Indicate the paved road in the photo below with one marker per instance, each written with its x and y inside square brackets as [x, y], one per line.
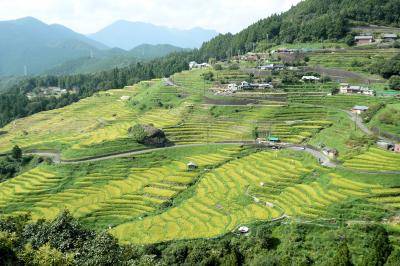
[56, 157]
[359, 122]
[321, 157]
[357, 119]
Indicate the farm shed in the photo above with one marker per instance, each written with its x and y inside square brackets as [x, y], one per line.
[362, 40]
[385, 145]
[125, 98]
[274, 139]
[359, 109]
[397, 148]
[389, 37]
[194, 64]
[243, 229]
[192, 166]
[331, 153]
[310, 78]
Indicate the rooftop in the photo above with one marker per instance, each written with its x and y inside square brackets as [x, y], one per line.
[360, 107]
[363, 37]
[389, 36]
[273, 139]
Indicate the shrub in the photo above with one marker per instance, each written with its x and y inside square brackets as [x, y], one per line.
[16, 152]
[394, 82]
[137, 133]
[372, 111]
[208, 76]
[234, 67]
[390, 117]
[217, 67]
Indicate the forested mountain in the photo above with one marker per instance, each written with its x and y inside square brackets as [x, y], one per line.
[310, 20]
[127, 35]
[103, 60]
[38, 46]
[148, 51]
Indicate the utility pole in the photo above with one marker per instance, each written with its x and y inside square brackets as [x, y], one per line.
[204, 87]
[355, 121]
[208, 133]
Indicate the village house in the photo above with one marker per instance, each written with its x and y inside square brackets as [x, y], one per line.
[385, 145]
[233, 87]
[194, 64]
[310, 78]
[244, 85]
[283, 51]
[272, 67]
[359, 109]
[125, 98]
[389, 37]
[243, 229]
[363, 40]
[252, 57]
[192, 166]
[397, 148]
[346, 88]
[331, 153]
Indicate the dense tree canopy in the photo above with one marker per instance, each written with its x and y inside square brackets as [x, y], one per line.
[64, 241]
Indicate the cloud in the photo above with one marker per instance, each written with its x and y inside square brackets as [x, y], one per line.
[87, 16]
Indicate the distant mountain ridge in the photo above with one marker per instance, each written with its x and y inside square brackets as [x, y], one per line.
[126, 35]
[112, 58]
[39, 46]
[30, 46]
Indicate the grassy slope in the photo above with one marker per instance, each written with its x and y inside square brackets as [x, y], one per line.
[375, 122]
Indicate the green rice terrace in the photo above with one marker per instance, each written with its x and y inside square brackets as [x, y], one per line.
[145, 194]
[355, 60]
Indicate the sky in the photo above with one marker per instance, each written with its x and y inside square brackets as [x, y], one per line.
[89, 16]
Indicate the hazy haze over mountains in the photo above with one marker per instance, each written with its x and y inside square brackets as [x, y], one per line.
[127, 35]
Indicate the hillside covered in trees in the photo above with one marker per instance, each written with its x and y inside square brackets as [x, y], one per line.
[311, 20]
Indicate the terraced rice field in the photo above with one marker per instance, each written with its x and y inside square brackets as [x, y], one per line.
[80, 124]
[231, 76]
[95, 125]
[337, 101]
[311, 87]
[219, 204]
[375, 160]
[192, 81]
[109, 193]
[261, 186]
[357, 60]
[291, 124]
